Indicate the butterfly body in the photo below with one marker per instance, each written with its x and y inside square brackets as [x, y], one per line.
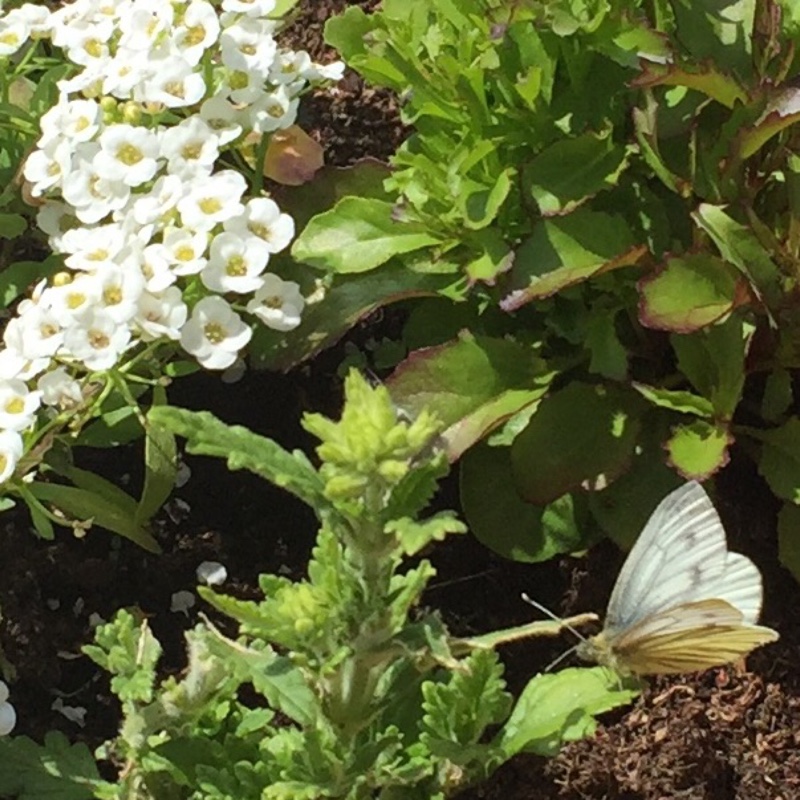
[682, 602]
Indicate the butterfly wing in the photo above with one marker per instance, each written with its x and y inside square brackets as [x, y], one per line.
[680, 557]
[688, 638]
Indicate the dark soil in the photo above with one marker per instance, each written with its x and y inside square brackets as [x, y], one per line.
[729, 733]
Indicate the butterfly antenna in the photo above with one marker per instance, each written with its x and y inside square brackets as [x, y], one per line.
[560, 658]
[528, 599]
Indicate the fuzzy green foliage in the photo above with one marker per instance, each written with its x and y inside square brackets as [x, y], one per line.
[337, 685]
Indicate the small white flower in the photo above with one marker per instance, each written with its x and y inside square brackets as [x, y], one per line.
[10, 453]
[76, 120]
[247, 46]
[144, 22]
[263, 218]
[36, 333]
[253, 8]
[274, 111]
[190, 148]
[155, 206]
[289, 65]
[162, 316]
[326, 72]
[13, 34]
[46, 167]
[155, 268]
[222, 117]
[92, 196]
[18, 405]
[212, 573]
[215, 333]
[128, 153]
[235, 264]
[175, 84]
[96, 340]
[120, 290]
[278, 303]
[185, 250]
[199, 29]
[93, 248]
[56, 219]
[59, 389]
[181, 602]
[212, 200]
[70, 300]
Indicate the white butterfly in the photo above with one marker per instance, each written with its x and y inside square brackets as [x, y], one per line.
[682, 601]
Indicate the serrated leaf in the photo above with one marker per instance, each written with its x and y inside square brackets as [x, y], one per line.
[499, 518]
[243, 449]
[357, 235]
[414, 535]
[579, 435]
[700, 449]
[273, 676]
[459, 709]
[689, 293]
[561, 707]
[55, 770]
[779, 463]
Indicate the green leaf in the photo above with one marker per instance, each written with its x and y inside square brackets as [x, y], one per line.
[160, 458]
[459, 709]
[98, 508]
[282, 8]
[623, 508]
[12, 225]
[789, 538]
[17, 277]
[705, 78]
[357, 235]
[243, 449]
[350, 299]
[561, 707]
[699, 449]
[778, 395]
[563, 251]
[609, 356]
[127, 649]
[740, 246]
[580, 435]
[472, 384]
[570, 171]
[676, 400]
[56, 770]
[481, 207]
[714, 361]
[779, 463]
[688, 293]
[274, 677]
[499, 518]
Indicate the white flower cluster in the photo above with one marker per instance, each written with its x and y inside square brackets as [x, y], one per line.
[158, 245]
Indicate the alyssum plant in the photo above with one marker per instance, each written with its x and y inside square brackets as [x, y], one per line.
[352, 690]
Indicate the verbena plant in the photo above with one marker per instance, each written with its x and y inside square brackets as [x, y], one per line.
[601, 196]
[338, 685]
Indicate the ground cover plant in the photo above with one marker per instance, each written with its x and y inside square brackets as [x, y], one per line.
[282, 722]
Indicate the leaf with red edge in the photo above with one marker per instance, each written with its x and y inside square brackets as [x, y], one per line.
[699, 450]
[690, 292]
[783, 110]
[472, 384]
[563, 251]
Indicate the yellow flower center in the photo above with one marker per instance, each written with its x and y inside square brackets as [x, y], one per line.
[214, 332]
